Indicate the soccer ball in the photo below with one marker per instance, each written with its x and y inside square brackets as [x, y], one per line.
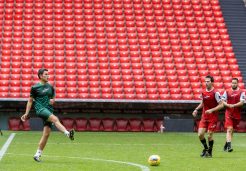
[154, 160]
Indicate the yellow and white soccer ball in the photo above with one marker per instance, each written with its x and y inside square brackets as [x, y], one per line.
[154, 160]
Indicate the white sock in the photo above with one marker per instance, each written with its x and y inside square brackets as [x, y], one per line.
[66, 133]
[38, 153]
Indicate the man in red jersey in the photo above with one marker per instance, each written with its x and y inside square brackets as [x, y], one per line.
[233, 100]
[211, 103]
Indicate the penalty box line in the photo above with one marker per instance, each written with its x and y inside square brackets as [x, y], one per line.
[6, 145]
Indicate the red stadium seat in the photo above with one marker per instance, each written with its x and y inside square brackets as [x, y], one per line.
[121, 124]
[158, 124]
[94, 124]
[80, 124]
[135, 124]
[68, 123]
[14, 123]
[241, 126]
[108, 124]
[26, 125]
[148, 125]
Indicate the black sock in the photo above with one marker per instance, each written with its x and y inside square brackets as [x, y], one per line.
[204, 143]
[211, 143]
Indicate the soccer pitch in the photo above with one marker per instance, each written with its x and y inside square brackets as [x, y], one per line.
[104, 151]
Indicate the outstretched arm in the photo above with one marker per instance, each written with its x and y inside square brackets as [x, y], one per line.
[28, 108]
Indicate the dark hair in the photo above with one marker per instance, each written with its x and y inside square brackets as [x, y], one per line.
[41, 71]
[235, 79]
[210, 77]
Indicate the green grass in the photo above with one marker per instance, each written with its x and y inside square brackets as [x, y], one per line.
[91, 150]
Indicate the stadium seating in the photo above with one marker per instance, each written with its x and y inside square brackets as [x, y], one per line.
[108, 124]
[121, 124]
[68, 123]
[158, 124]
[14, 124]
[125, 50]
[94, 124]
[26, 125]
[81, 124]
[241, 126]
[135, 124]
[148, 125]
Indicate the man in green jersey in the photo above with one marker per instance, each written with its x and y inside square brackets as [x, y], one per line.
[43, 96]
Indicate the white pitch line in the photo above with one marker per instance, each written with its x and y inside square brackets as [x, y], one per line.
[6, 145]
[142, 167]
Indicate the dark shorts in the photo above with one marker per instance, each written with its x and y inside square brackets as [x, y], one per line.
[45, 114]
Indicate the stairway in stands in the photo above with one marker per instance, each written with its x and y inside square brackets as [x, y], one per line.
[234, 13]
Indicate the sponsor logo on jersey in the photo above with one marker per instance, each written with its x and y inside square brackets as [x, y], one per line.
[45, 90]
[206, 97]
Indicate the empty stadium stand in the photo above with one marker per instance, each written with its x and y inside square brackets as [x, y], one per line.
[144, 50]
[118, 124]
[235, 15]
[147, 57]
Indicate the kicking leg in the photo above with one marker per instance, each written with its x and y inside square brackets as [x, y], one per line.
[60, 127]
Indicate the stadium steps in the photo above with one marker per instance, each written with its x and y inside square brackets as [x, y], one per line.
[234, 13]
